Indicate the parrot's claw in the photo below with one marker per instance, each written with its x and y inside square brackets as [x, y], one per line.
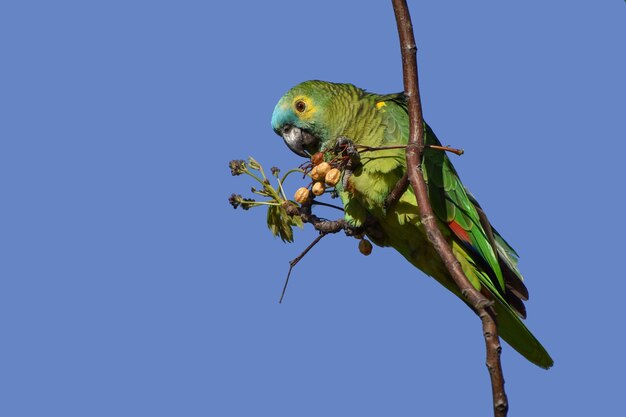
[370, 228]
[350, 157]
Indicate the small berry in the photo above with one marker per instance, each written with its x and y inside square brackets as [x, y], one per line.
[318, 188]
[315, 174]
[365, 247]
[317, 158]
[323, 168]
[302, 195]
[332, 177]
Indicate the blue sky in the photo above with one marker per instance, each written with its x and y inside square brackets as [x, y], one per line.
[130, 286]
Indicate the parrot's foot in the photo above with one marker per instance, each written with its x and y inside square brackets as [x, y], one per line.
[346, 147]
[370, 227]
[350, 157]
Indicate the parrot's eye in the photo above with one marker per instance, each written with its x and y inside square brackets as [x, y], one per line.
[300, 106]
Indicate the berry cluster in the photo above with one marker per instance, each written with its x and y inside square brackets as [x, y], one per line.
[323, 174]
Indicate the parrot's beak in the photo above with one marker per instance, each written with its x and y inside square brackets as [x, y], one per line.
[299, 141]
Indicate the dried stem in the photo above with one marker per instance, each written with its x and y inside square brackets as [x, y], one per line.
[321, 225]
[414, 152]
[295, 261]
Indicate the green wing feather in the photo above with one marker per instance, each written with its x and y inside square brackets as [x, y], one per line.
[494, 260]
[445, 190]
[453, 206]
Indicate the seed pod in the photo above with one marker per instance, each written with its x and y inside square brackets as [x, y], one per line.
[302, 195]
[315, 174]
[365, 247]
[317, 158]
[332, 177]
[318, 188]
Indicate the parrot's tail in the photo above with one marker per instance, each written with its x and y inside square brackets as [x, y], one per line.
[515, 333]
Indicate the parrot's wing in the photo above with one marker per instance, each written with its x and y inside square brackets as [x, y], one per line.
[494, 259]
[508, 258]
[447, 195]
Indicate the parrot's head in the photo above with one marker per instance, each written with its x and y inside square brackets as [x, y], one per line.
[303, 116]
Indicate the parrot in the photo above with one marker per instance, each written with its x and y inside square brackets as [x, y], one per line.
[314, 116]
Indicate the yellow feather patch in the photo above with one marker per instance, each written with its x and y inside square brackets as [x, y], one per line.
[380, 104]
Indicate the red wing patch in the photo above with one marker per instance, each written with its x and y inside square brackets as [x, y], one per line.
[459, 232]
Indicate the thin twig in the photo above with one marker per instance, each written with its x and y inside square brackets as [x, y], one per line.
[295, 261]
[321, 225]
[366, 148]
[321, 203]
[397, 192]
[414, 152]
[447, 149]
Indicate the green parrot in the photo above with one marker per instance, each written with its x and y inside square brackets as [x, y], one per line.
[315, 115]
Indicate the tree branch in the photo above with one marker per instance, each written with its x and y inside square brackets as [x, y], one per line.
[414, 152]
[321, 225]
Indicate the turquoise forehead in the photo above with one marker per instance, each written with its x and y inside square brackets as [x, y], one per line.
[283, 114]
